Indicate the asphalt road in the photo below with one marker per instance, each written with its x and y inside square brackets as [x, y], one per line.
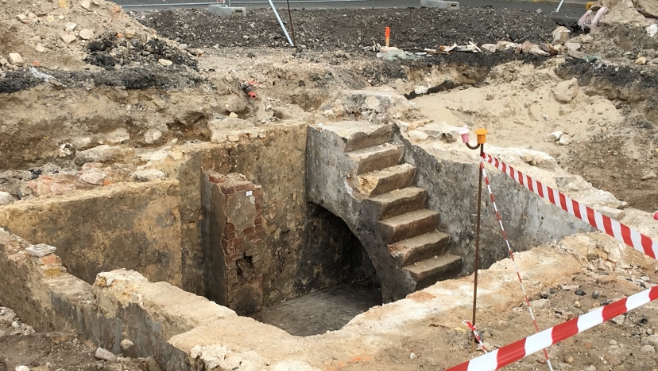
[567, 10]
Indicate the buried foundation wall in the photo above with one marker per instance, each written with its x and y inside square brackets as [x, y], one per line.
[128, 225]
[304, 249]
[452, 185]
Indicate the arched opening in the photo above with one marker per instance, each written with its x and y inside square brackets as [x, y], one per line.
[342, 284]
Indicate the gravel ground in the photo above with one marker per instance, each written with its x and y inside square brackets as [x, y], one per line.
[351, 29]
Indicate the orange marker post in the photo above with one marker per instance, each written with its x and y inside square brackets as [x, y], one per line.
[388, 35]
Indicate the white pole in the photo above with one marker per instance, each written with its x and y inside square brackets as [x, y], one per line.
[281, 23]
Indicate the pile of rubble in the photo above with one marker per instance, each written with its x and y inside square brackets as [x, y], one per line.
[69, 34]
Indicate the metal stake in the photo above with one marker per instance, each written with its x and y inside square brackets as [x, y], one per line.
[481, 139]
[292, 27]
[281, 23]
[477, 246]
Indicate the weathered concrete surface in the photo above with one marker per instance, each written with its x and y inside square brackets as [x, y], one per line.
[128, 225]
[330, 178]
[450, 173]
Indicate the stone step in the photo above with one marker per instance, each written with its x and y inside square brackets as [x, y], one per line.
[408, 225]
[419, 248]
[360, 134]
[377, 158]
[386, 180]
[432, 270]
[399, 201]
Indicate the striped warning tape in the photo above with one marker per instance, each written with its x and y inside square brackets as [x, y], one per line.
[475, 332]
[511, 255]
[508, 354]
[621, 232]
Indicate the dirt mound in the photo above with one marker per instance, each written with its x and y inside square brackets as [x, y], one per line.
[351, 29]
[41, 33]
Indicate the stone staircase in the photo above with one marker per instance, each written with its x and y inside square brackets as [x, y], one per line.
[389, 205]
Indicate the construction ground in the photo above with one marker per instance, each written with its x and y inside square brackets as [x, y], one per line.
[183, 191]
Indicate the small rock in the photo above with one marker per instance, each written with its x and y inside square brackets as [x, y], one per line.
[40, 48]
[22, 368]
[553, 137]
[576, 304]
[68, 38]
[105, 355]
[648, 349]
[16, 59]
[613, 359]
[572, 46]
[539, 11]
[2, 333]
[85, 4]
[128, 348]
[233, 115]
[586, 39]
[649, 175]
[641, 61]
[566, 91]
[590, 368]
[93, 176]
[129, 33]
[16, 324]
[165, 62]
[22, 18]
[148, 175]
[569, 359]
[70, 26]
[117, 136]
[545, 294]
[652, 340]
[565, 139]
[613, 213]
[561, 35]
[413, 356]
[595, 295]
[612, 342]
[541, 303]
[86, 34]
[569, 287]
[6, 198]
[580, 292]
[619, 319]
[152, 135]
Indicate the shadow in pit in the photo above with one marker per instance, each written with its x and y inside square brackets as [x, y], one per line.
[343, 284]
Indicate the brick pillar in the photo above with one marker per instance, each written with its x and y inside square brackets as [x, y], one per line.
[240, 244]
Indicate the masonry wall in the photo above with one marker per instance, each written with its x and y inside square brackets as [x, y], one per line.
[130, 225]
[302, 250]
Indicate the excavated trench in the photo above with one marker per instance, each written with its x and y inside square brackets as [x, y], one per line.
[232, 220]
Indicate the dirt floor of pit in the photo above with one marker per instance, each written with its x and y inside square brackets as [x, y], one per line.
[20, 345]
[325, 310]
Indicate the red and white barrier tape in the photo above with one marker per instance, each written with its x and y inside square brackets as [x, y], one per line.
[506, 355]
[621, 232]
[511, 255]
[476, 334]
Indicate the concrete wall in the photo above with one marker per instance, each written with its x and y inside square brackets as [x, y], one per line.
[452, 191]
[130, 225]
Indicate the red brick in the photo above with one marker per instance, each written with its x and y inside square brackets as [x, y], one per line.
[244, 187]
[50, 259]
[227, 190]
[258, 221]
[216, 178]
[229, 235]
[229, 228]
[248, 231]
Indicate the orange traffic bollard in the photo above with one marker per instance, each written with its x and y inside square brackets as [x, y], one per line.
[388, 35]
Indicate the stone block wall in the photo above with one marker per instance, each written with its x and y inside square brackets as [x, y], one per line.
[233, 242]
